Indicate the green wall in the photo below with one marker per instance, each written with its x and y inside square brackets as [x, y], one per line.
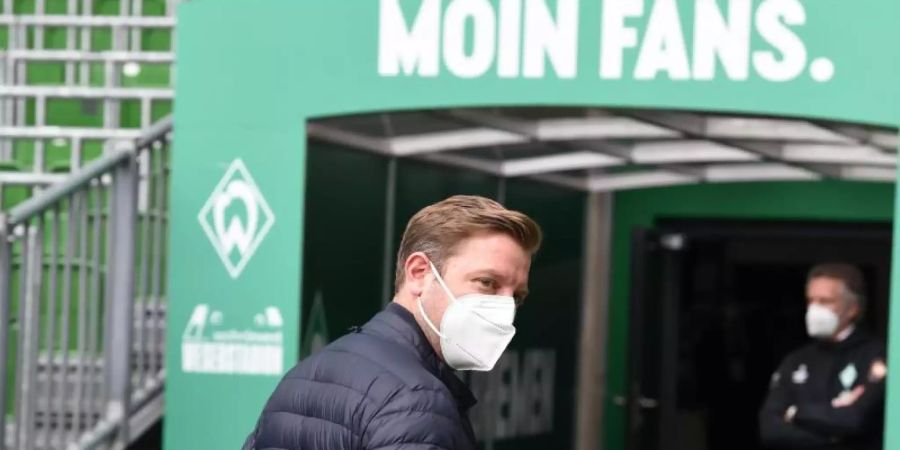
[344, 236]
[830, 200]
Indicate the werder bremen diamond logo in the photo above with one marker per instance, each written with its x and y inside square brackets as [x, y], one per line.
[236, 218]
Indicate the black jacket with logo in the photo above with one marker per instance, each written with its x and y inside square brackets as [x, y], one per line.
[810, 378]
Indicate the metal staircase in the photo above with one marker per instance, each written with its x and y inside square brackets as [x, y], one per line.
[82, 302]
[81, 82]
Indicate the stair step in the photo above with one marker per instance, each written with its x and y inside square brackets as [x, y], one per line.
[50, 439]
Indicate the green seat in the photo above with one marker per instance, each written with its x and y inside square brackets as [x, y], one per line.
[57, 151]
[59, 166]
[23, 152]
[12, 195]
[10, 166]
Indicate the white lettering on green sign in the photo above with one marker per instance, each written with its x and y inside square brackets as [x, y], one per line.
[521, 38]
[526, 43]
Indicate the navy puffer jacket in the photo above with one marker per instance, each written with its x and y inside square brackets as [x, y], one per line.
[380, 387]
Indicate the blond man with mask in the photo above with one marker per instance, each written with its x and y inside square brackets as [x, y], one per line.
[462, 270]
[829, 394]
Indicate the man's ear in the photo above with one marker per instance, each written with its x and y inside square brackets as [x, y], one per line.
[416, 270]
[853, 311]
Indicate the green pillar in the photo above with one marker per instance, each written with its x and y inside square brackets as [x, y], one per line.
[233, 318]
[236, 228]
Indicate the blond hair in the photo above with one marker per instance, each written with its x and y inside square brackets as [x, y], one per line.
[437, 229]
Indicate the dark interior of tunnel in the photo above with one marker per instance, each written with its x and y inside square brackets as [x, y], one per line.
[740, 294]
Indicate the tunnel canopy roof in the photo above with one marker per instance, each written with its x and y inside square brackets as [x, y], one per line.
[605, 150]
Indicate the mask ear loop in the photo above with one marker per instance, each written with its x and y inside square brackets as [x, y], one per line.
[440, 280]
[422, 308]
[427, 320]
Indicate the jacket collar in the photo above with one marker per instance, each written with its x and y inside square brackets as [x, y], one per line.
[856, 337]
[397, 324]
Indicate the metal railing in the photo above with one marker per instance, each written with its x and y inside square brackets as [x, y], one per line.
[82, 303]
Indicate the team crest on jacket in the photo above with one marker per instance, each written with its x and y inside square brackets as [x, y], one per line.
[800, 375]
[848, 376]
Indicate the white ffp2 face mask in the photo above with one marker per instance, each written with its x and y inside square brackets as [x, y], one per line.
[476, 328]
[821, 322]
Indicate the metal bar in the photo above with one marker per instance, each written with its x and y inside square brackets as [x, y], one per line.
[98, 56]
[5, 322]
[29, 179]
[99, 434]
[119, 36]
[9, 74]
[40, 111]
[137, 10]
[77, 407]
[71, 11]
[94, 306]
[146, 407]
[86, 12]
[173, 36]
[51, 132]
[72, 230]
[356, 140]
[146, 113]
[20, 79]
[19, 91]
[75, 157]
[101, 165]
[40, 116]
[109, 79]
[143, 289]
[84, 68]
[40, 156]
[390, 210]
[7, 6]
[6, 78]
[592, 374]
[158, 131]
[20, 353]
[688, 133]
[124, 11]
[120, 300]
[30, 328]
[88, 21]
[40, 10]
[156, 292]
[5, 144]
[51, 317]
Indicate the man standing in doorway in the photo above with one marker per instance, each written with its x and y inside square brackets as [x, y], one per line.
[829, 394]
[462, 270]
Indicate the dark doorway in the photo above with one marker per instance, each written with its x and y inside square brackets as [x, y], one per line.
[716, 306]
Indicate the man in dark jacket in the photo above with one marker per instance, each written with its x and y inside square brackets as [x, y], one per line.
[462, 270]
[829, 394]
